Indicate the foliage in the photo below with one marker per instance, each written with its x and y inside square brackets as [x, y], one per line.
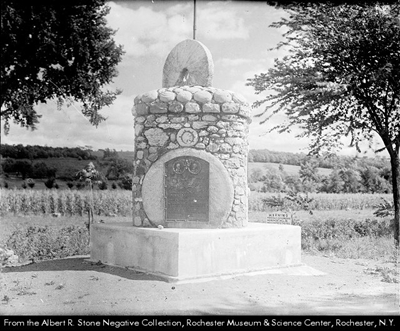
[43, 243]
[89, 175]
[50, 182]
[328, 84]
[65, 202]
[341, 78]
[384, 209]
[372, 181]
[30, 182]
[309, 176]
[347, 238]
[43, 152]
[126, 182]
[352, 178]
[56, 50]
[117, 168]
[320, 201]
[102, 185]
[327, 161]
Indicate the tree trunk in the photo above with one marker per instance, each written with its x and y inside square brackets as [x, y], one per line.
[395, 163]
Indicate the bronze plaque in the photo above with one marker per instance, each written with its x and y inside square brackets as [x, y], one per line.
[186, 189]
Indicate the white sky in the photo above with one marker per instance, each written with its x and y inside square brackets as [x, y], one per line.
[238, 37]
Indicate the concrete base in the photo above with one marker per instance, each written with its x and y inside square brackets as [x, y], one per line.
[190, 254]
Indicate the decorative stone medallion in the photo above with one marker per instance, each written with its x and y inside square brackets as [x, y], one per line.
[187, 137]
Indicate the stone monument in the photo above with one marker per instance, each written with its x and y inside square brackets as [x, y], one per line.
[190, 195]
[191, 148]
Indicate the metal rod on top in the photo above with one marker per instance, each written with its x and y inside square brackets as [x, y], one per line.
[194, 20]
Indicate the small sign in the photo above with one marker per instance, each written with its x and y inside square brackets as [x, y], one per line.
[279, 218]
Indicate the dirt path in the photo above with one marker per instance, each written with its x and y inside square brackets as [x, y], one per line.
[75, 287]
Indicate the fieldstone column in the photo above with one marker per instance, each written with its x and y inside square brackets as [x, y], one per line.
[188, 117]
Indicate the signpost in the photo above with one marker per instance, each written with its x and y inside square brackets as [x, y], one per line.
[279, 218]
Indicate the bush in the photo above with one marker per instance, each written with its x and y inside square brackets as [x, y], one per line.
[44, 243]
[70, 185]
[333, 234]
[102, 185]
[126, 182]
[49, 183]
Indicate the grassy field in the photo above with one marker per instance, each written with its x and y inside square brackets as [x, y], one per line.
[289, 169]
[322, 201]
[340, 224]
[340, 243]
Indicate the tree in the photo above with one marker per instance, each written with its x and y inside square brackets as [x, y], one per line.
[342, 78]
[372, 181]
[309, 175]
[255, 175]
[23, 168]
[351, 180]
[55, 50]
[334, 183]
[118, 168]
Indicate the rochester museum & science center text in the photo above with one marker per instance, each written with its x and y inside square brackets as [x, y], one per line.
[192, 322]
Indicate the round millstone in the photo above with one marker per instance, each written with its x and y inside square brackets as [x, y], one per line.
[189, 63]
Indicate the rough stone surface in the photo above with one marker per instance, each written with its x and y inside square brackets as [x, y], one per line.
[222, 96]
[156, 137]
[184, 96]
[211, 108]
[191, 119]
[150, 96]
[192, 107]
[167, 96]
[189, 63]
[202, 96]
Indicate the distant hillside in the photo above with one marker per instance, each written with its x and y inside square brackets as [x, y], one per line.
[288, 168]
[328, 162]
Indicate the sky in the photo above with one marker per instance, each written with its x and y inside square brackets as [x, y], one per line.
[238, 35]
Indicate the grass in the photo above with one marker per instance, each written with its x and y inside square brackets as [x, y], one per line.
[316, 239]
[11, 223]
[334, 233]
[323, 201]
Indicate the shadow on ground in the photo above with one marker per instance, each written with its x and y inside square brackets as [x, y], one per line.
[81, 264]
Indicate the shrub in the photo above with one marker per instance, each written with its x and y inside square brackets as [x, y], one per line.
[70, 185]
[333, 235]
[44, 243]
[49, 183]
[114, 186]
[126, 182]
[102, 185]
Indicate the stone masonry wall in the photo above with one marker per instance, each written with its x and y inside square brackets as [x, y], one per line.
[204, 118]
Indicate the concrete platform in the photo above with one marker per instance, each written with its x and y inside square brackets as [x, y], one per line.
[194, 254]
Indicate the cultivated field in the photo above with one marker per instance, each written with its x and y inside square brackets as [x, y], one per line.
[288, 168]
